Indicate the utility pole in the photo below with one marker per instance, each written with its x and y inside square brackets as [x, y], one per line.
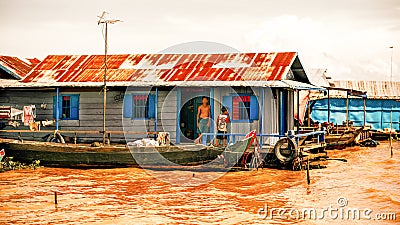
[104, 21]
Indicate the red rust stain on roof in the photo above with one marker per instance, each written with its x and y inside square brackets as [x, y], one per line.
[165, 67]
[18, 67]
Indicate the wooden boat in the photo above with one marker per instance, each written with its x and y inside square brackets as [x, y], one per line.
[83, 155]
[343, 139]
[384, 135]
[236, 154]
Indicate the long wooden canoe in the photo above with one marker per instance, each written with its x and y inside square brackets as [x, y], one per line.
[83, 155]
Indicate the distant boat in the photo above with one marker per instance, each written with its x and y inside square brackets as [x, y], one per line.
[343, 139]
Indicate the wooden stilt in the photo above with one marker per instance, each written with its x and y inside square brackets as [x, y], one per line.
[308, 171]
[55, 198]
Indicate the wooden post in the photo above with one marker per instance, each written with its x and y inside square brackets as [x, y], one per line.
[55, 198]
[298, 116]
[20, 137]
[329, 107]
[211, 102]
[347, 109]
[262, 116]
[57, 107]
[309, 116]
[390, 135]
[298, 111]
[365, 110]
[308, 171]
[156, 112]
[105, 86]
[178, 116]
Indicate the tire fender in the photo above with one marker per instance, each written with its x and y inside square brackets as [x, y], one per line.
[58, 138]
[277, 150]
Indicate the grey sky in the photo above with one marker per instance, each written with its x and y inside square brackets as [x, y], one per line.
[350, 38]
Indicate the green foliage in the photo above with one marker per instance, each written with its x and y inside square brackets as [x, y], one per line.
[7, 164]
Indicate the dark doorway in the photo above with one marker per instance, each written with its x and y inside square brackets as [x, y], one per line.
[191, 100]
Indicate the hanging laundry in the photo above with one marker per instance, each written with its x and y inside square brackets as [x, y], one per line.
[17, 114]
[28, 114]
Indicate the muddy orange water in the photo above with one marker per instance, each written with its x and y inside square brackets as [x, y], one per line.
[369, 180]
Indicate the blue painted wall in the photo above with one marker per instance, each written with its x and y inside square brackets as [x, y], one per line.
[378, 112]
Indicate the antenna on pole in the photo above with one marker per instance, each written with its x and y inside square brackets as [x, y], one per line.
[103, 20]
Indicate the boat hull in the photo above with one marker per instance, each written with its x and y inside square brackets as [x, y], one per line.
[342, 140]
[70, 155]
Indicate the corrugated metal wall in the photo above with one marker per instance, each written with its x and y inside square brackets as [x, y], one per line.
[378, 112]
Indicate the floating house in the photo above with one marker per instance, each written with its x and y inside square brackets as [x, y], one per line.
[159, 92]
[373, 103]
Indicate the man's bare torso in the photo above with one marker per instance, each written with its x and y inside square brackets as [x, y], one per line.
[204, 111]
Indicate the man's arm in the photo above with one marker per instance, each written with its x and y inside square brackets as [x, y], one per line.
[197, 117]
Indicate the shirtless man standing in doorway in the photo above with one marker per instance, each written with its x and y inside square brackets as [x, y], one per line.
[203, 118]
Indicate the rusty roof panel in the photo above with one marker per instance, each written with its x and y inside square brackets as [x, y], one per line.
[115, 61]
[49, 62]
[77, 64]
[164, 67]
[65, 61]
[16, 67]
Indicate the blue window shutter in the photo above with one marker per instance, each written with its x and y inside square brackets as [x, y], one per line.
[74, 107]
[227, 102]
[55, 106]
[128, 107]
[253, 108]
[152, 107]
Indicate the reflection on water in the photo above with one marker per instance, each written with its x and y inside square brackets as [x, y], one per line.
[370, 179]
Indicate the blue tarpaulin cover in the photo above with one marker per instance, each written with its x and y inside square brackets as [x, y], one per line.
[378, 112]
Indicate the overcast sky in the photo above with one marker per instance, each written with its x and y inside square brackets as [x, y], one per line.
[351, 38]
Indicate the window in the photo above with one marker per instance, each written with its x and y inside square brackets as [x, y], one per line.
[242, 107]
[141, 109]
[68, 107]
[139, 106]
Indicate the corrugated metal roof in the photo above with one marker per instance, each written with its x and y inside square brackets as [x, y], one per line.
[374, 89]
[16, 67]
[161, 69]
[318, 77]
